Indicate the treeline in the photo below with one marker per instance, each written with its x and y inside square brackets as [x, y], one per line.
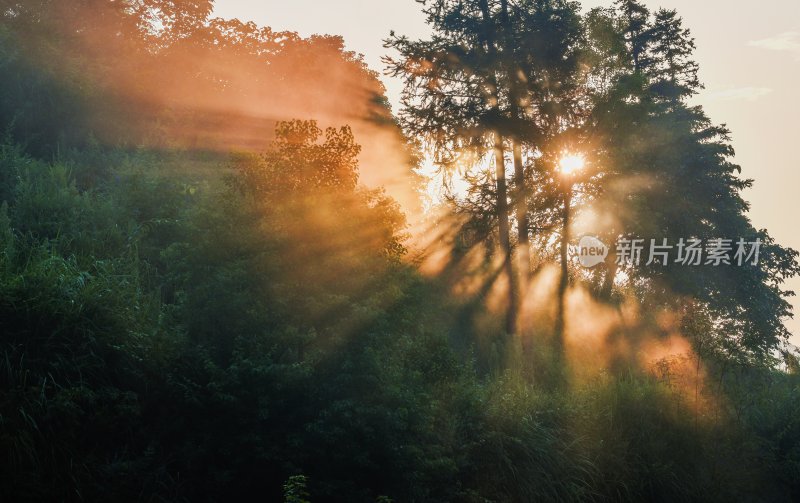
[172, 341]
[165, 74]
[504, 90]
[179, 324]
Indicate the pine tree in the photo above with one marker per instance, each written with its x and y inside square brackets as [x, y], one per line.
[673, 72]
[636, 30]
[453, 101]
[498, 76]
[669, 174]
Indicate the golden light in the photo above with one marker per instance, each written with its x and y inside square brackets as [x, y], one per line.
[571, 163]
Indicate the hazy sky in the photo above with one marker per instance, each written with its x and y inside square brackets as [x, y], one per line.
[749, 55]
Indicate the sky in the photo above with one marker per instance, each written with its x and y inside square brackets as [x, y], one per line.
[749, 56]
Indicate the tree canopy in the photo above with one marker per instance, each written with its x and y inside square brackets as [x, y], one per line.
[210, 291]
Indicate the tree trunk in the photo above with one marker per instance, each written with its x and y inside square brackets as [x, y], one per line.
[502, 186]
[611, 274]
[505, 234]
[564, 279]
[521, 206]
[520, 200]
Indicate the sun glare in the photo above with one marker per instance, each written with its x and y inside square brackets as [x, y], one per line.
[571, 163]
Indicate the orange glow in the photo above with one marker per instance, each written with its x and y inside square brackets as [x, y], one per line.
[571, 163]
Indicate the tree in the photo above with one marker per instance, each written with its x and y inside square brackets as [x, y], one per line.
[634, 17]
[497, 76]
[673, 73]
[685, 182]
[452, 102]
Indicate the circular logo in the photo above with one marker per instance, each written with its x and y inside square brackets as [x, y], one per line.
[590, 251]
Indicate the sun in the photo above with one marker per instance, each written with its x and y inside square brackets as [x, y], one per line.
[571, 163]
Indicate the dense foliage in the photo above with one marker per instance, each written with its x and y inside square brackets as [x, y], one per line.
[180, 324]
